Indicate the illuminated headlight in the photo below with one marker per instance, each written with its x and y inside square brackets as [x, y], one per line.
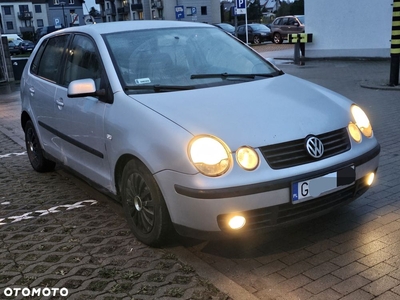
[354, 132]
[247, 158]
[361, 120]
[209, 155]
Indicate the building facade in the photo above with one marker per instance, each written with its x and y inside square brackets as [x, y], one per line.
[349, 28]
[205, 11]
[25, 17]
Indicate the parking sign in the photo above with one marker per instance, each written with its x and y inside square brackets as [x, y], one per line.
[179, 13]
[241, 7]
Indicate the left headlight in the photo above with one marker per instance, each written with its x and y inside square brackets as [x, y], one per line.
[361, 120]
[210, 155]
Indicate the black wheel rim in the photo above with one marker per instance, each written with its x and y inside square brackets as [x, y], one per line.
[32, 147]
[139, 203]
[256, 40]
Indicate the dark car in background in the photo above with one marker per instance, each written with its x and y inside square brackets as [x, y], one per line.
[226, 27]
[41, 31]
[26, 46]
[13, 48]
[257, 33]
[282, 26]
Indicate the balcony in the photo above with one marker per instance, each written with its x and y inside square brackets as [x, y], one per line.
[137, 7]
[123, 10]
[26, 15]
[110, 11]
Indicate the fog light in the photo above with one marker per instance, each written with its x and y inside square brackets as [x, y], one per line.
[370, 178]
[237, 222]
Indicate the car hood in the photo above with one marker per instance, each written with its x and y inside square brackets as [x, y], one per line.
[256, 113]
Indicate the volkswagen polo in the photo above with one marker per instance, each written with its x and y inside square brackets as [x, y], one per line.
[191, 130]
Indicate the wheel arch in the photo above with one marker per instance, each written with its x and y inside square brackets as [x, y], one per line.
[25, 117]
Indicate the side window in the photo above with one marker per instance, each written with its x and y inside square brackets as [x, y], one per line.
[83, 61]
[52, 54]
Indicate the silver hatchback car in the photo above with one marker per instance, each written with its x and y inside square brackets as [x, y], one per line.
[191, 129]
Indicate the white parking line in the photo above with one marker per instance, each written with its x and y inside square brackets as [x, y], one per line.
[12, 154]
[40, 213]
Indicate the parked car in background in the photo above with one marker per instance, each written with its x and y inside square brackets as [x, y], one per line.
[282, 26]
[26, 46]
[191, 129]
[13, 48]
[226, 27]
[42, 31]
[257, 33]
[13, 37]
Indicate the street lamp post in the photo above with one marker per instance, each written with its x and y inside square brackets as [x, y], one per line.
[64, 20]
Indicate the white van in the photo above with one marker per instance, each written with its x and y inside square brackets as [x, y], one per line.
[13, 37]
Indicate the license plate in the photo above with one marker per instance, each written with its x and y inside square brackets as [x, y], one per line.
[315, 187]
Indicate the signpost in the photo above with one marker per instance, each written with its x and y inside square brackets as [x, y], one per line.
[179, 12]
[241, 9]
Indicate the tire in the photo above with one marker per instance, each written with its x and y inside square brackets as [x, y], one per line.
[277, 39]
[144, 205]
[35, 152]
[256, 40]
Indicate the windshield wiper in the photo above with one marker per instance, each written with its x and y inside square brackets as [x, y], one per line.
[227, 75]
[160, 88]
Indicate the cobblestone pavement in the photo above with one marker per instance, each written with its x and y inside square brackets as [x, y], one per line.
[352, 253]
[54, 235]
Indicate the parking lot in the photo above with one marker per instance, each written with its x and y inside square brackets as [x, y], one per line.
[56, 232]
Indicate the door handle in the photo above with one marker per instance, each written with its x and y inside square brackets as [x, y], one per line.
[60, 103]
[32, 90]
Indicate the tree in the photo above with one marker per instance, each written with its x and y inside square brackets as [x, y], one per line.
[295, 8]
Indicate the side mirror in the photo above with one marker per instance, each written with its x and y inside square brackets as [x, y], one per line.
[85, 88]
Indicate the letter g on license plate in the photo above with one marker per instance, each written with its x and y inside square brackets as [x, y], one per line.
[312, 188]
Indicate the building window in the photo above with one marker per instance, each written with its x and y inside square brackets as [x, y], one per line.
[56, 2]
[71, 2]
[23, 8]
[204, 10]
[7, 10]
[10, 25]
[38, 8]
[40, 23]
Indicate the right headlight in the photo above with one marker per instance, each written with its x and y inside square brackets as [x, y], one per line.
[361, 120]
[209, 155]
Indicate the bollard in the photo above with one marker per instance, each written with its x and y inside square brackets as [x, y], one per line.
[395, 45]
[299, 40]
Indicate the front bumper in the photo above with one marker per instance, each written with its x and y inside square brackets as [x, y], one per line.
[203, 213]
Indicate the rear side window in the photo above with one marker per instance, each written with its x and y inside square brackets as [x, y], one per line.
[47, 61]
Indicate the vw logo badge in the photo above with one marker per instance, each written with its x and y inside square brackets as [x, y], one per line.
[314, 147]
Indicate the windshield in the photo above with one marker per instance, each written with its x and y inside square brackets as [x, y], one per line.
[173, 57]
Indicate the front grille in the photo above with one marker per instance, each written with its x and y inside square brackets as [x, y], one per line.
[287, 213]
[294, 153]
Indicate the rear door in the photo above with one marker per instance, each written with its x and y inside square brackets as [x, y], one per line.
[41, 86]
